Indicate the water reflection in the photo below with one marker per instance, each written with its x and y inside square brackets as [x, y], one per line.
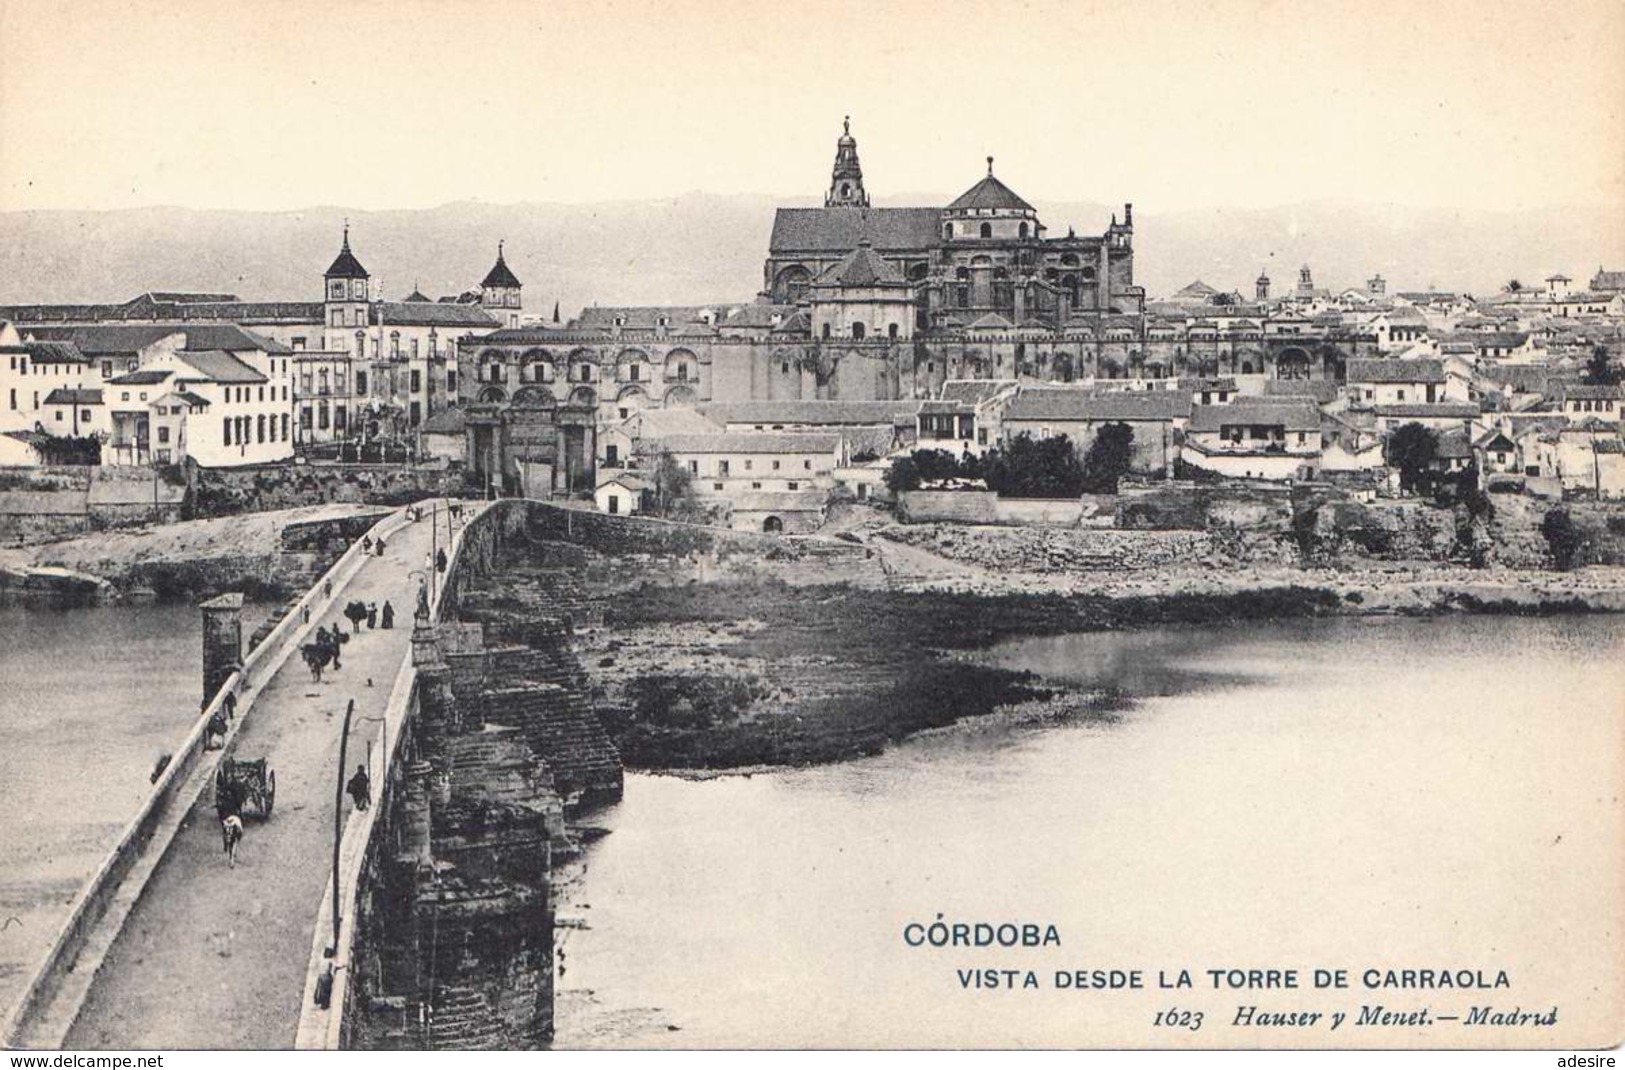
[1379, 792]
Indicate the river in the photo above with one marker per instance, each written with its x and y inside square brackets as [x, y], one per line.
[88, 700]
[1343, 794]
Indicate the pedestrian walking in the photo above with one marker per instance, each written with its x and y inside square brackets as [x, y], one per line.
[327, 588]
[372, 615]
[360, 788]
[380, 547]
[388, 616]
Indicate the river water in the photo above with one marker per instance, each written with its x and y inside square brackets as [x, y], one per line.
[1347, 794]
[89, 698]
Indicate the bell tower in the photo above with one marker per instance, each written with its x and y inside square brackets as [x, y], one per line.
[499, 292]
[846, 179]
[1261, 287]
[346, 301]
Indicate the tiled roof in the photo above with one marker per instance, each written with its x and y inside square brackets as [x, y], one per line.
[861, 267]
[1059, 404]
[419, 314]
[1412, 370]
[1584, 392]
[63, 395]
[656, 423]
[629, 480]
[1608, 280]
[989, 193]
[345, 265]
[1320, 391]
[220, 366]
[190, 398]
[500, 274]
[973, 391]
[49, 352]
[817, 413]
[142, 377]
[230, 337]
[109, 339]
[831, 230]
[1291, 414]
[748, 442]
[175, 297]
[1448, 410]
[1454, 445]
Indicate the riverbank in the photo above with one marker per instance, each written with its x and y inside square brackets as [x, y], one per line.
[746, 675]
[266, 556]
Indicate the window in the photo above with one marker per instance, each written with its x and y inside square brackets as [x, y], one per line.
[857, 331]
[85, 414]
[775, 466]
[321, 416]
[716, 486]
[826, 335]
[625, 412]
[262, 393]
[163, 433]
[891, 331]
[14, 398]
[260, 425]
[360, 382]
[756, 486]
[1402, 395]
[107, 367]
[59, 416]
[987, 230]
[722, 468]
[784, 368]
[415, 416]
[417, 380]
[284, 427]
[298, 342]
[1021, 231]
[451, 381]
[793, 485]
[614, 503]
[225, 427]
[947, 230]
[807, 464]
[305, 418]
[694, 467]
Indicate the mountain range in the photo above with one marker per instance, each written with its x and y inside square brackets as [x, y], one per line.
[700, 248]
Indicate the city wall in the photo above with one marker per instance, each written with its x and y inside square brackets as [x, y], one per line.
[58, 502]
[228, 491]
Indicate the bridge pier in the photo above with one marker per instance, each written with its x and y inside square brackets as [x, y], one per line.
[222, 641]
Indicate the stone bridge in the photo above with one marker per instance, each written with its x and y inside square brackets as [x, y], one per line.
[168, 947]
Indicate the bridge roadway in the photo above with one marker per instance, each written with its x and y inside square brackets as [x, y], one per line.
[214, 957]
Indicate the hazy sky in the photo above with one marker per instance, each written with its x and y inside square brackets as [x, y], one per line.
[413, 103]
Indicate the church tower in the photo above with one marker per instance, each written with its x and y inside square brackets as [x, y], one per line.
[846, 180]
[499, 293]
[346, 301]
[1261, 287]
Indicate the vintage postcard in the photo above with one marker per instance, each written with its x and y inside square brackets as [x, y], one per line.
[721, 526]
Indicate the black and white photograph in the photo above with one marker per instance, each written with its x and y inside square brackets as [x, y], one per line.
[604, 524]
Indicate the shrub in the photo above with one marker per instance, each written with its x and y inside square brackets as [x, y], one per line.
[1563, 539]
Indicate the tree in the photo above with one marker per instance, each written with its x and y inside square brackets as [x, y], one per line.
[1563, 538]
[1029, 468]
[1108, 458]
[1412, 449]
[1600, 371]
[673, 492]
[1513, 286]
[935, 464]
[903, 475]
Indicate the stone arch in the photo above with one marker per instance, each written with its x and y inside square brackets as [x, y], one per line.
[918, 272]
[682, 365]
[536, 366]
[584, 395]
[493, 395]
[1069, 259]
[1087, 274]
[681, 395]
[773, 525]
[987, 230]
[533, 396]
[632, 391]
[790, 284]
[1292, 363]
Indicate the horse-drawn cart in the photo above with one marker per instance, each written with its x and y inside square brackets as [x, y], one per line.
[239, 785]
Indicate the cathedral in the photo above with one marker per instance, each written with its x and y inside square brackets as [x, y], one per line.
[987, 254]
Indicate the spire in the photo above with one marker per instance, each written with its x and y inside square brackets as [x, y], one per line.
[345, 265]
[990, 167]
[500, 274]
[846, 178]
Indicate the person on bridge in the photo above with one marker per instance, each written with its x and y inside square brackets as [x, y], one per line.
[388, 616]
[337, 637]
[440, 560]
[372, 615]
[360, 788]
[380, 547]
[366, 544]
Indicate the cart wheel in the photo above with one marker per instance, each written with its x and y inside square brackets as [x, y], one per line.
[270, 791]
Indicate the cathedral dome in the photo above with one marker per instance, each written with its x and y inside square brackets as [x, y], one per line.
[990, 195]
